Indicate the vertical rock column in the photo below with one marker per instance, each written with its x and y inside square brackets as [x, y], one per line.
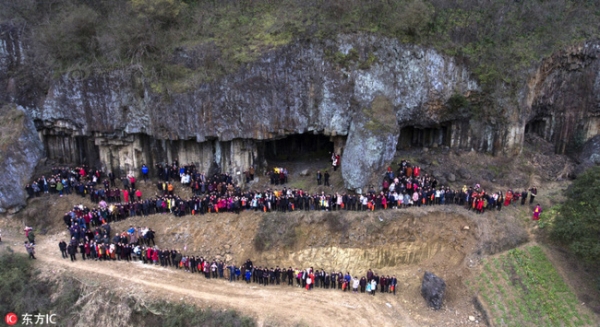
[371, 144]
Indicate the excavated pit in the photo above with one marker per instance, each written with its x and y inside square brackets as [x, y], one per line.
[388, 241]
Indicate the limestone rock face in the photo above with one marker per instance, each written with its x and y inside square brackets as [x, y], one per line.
[433, 289]
[296, 89]
[20, 151]
[563, 99]
[117, 120]
[371, 143]
[589, 156]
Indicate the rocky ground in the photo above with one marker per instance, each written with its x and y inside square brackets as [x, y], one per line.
[448, 241]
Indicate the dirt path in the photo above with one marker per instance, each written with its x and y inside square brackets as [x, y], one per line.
[280, 304]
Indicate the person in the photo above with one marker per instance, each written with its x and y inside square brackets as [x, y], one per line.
[334, 161]
[132, 181]
[319, 177]
[72, 249]
[363, 284]
[62, 245]
[373, 286]
[355, 284]
[532, 194]
[326, 180]
[30, 249]
[0, 236]
[30, 236]
[145, 172]
[536, 212]
[523, 197]
[393, 284]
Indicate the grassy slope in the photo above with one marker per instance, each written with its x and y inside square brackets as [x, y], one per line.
[499, 39]
[521, 287]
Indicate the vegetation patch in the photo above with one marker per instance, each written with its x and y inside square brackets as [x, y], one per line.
[11, 125]
[522, 288]
[499, 40]
[23, 290]
[276, 229]
[381, 116]
[168, 314]
[575, 222]
[336, 223]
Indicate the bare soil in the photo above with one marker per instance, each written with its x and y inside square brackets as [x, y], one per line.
[404, 242]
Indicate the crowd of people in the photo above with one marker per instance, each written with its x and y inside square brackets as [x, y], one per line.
[406, 187]
[134, 245]
[90, 230]
[409, 187]
[96, 243]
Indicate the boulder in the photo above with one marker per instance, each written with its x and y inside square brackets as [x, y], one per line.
[451, 177]
[371, 144]
[304, 172]
[433, 289]
[464, 173]
[20, 151]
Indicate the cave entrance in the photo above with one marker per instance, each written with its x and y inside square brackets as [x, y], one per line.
[67, 149]
[412, 136]
[536, 126]
[298, 147]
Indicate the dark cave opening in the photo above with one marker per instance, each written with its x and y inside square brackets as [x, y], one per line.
[297, 147]
[536, 126]
[412, 136]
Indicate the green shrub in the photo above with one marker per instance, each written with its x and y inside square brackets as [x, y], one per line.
[576, 223]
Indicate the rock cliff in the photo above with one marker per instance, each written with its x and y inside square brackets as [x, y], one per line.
[119, 118]
[563, 99]
[20, 151]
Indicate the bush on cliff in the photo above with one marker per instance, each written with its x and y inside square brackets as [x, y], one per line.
[577, 223]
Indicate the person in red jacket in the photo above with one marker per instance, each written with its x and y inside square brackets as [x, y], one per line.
[126, 195]
[138, 194]
[132, 181]
[155, 257]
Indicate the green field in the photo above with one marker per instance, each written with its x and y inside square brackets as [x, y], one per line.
[522, 288]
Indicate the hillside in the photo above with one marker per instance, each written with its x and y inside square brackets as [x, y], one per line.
[181, 43]
[500, 96]
[400, 242]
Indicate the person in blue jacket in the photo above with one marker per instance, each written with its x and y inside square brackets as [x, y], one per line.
[145, 172]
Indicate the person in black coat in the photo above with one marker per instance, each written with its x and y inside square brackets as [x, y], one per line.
[62, 245]
[363, 284]
[72, 250]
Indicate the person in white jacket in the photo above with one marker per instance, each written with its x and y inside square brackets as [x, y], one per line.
[373, 287]
[355, 285]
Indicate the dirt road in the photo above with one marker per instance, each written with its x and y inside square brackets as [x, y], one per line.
[282, 305]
